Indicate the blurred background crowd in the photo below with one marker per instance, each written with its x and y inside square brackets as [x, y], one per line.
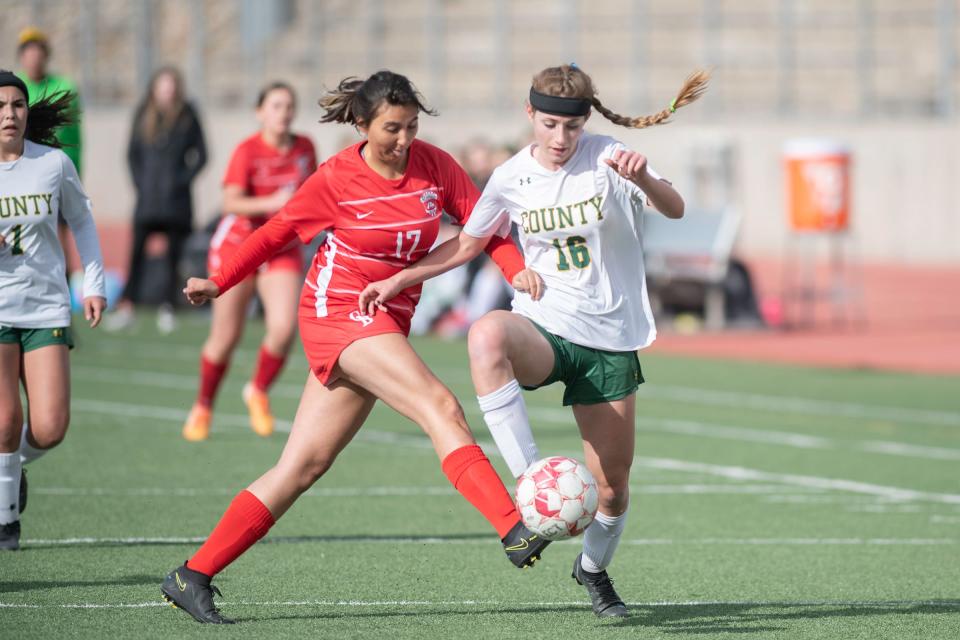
[820, 170]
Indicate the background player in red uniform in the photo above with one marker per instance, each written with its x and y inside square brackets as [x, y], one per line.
[263, 173]
[380, 202]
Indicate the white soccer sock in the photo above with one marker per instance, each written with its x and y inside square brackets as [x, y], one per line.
[600, 541]
[506, 416]
[9, 487]
[28, 453]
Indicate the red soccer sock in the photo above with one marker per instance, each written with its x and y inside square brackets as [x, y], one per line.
[211, 375]
[268, 368]
[245, 521]
[470, 471]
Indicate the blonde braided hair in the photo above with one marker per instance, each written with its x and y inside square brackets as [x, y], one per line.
[569, 81]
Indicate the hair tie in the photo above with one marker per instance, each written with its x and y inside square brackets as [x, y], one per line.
[673, 106]
[573, 65]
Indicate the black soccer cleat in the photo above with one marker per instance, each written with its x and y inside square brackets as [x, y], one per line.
[606, 602]
[23, 490]
[191, 591]
[10, 536]
[523, 546]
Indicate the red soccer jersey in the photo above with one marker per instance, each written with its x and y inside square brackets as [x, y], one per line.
[261, 169]
[375, 227]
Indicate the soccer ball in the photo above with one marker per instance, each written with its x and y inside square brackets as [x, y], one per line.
[557, 498]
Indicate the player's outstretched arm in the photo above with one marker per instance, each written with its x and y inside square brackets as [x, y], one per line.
[254, 251]
[456, 251]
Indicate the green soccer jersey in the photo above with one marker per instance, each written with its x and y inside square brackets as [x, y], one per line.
[69, 136]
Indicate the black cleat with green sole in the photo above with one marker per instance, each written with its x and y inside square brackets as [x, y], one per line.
[191, 591]
[523, 546]
[606, 602]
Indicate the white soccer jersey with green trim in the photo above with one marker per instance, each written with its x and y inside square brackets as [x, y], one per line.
[33, 282]
[580, 229]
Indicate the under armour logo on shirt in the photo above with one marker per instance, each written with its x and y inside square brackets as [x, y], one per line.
[525, 180]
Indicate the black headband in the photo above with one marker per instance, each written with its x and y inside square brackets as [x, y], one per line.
[558, 106]
[8, 79]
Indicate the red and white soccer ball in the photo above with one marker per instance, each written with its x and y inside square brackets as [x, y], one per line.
[557, 497]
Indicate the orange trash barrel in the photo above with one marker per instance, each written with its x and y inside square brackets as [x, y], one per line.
[818, 185]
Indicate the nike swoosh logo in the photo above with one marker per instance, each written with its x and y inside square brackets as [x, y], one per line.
[183, 586]
[517, 547]
[361, 216]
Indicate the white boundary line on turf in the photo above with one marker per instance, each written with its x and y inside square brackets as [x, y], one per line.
[879, 604]
[816, 482]
[917, 451]
[710, 397]
[424, 540]
[666, 464]
[796, 404]
[182, 382]
[765, 490]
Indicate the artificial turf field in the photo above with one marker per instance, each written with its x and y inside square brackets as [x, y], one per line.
[767, 502]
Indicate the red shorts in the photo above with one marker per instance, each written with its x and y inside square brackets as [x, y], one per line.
[230, 234]
[324, 339]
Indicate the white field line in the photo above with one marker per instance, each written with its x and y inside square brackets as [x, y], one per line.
[394, 491]
[901, 449]
[885, 508]
[794, 404]
[420, 540]
[666, 464]
[763, 436]
[813, 482]
[124, 409]
[692, 428]
[710, 397]
[140, 350]
[886, 605]
[939, 519]
[564, 416]
[155, 379]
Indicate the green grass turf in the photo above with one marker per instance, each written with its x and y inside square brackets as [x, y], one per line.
[383, 546]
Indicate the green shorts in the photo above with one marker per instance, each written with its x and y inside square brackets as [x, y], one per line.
[591, 376]
[30, 339]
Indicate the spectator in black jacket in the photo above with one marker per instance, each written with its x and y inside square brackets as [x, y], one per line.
[165, 154]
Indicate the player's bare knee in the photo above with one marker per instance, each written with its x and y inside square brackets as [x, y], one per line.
[48, 432]
[487, 340]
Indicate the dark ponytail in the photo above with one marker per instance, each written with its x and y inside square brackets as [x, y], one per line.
[47, 115]
[357, 101]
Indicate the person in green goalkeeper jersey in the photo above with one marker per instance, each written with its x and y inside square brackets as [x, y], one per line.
[33, 52]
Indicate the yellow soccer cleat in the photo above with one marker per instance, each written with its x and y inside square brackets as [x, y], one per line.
[258, 404]
[197, 427]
